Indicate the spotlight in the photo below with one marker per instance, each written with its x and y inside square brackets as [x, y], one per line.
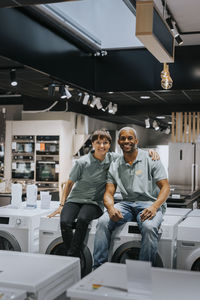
[85, 99]
[94, 101]
[147, 123]
[104, 106]
[179, 40]
[65, 92]
[155, 125]
[51, 89]
[167, 130]
[13, 80]
[110, 108]
[114, 108]
[99, 104]
[169, 22]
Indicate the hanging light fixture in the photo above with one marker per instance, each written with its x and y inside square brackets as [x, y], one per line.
[166, 81]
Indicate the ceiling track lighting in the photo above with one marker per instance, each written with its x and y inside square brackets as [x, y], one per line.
[172, 25]
[13, 80]
[166, 80]
[86, 99]
[147, 123]
[155, 125]
[51, 89]
[115, 108]
[110, 108]
[64, 92]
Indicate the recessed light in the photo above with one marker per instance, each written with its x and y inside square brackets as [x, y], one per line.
[145, 97]
[110, 92]
[160, 117]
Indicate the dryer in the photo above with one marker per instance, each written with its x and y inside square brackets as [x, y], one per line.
[50, 241]
[188, 244]
[126, 242]
[19, 227]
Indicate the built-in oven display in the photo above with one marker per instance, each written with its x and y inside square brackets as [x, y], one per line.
[22, 170]
[47, 145]
[47, 171]
[22, 147]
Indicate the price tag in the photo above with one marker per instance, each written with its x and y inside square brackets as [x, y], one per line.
[14, 145]
[57, 168]
[176, 196]
[14, 166]
[37, 147]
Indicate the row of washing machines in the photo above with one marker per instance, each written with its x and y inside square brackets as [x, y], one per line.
[179, 245]
[30, 230]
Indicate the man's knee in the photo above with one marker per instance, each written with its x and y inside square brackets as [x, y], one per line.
[148, 227]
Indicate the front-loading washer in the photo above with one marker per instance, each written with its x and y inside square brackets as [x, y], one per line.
[19, 227]
[51, 242]
[126, 242]
[43, 277]
[188, 244]
[12, 294]
[173, 211]
[194, 213]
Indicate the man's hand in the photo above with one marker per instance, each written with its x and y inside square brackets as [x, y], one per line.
[148, 213]
[56, 212]
[115, 214]
[154, 155]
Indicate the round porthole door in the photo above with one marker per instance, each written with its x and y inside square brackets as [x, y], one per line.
[57, 247]
[131, 250]
[8, 242]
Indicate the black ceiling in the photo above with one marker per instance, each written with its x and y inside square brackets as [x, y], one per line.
[129, 74]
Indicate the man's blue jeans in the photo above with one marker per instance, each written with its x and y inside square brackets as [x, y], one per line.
[131, 212]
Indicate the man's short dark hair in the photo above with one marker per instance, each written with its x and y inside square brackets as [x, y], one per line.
[101, 134]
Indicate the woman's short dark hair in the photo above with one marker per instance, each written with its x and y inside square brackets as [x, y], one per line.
[102, 134]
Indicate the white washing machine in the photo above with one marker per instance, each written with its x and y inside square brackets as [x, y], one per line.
[126, 242]
[43, 277]
[19, 227]
[50, 241]
[194, 213]
[188, 244]
[172, 211]
[12, 294]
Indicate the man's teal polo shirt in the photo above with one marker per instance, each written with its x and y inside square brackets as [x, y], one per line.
[137, 182]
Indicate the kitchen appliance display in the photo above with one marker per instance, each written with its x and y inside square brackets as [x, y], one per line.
[47, 145]
[23, 165]
[184, 163]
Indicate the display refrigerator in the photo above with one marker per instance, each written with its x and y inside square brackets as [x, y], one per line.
[184, 179]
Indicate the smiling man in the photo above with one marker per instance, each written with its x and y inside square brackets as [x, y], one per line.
[144, 187]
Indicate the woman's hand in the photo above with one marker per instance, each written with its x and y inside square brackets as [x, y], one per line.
[56, 212]
[154, 155]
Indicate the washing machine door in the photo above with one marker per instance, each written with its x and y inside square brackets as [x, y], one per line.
[131, 250]
[196, 265]
[8, 242]
[56, 247]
